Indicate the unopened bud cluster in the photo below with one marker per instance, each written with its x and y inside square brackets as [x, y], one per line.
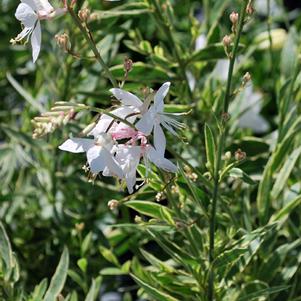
[250, 8]
[84, 14]
[63, 41]
[190, 174]
[48, 122]
[246, 78]
[128, 65]
[240, 155]
[159, 196]
[234, 17]
[227, 40]
[113, 204]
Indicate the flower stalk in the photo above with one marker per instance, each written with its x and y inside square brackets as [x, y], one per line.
[88, 36]
[221, 145]
[167, 28]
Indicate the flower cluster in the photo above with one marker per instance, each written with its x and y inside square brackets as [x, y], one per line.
[122, 138]
[29, 13]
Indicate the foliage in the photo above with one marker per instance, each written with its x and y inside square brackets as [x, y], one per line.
[156, 245]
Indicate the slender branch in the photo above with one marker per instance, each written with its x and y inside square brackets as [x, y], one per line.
[168, 31]
[227, 96]
[269, 21]
[221, 145]
[88, 36]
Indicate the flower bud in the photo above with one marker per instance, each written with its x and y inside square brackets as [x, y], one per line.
[138, 219]
[128, 65]
[250, 8]
[234, 18]
[84, 14]
[227, 156]
[227, 41]
[63, 41]
[159, 196]
[240, 155]
[226, 116]
[113, 204]
[79, 227]
[246, 78]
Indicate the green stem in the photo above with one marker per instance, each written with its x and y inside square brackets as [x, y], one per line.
[207, 14]
[169, 34]
[221, 145]
[269, 22]
[227, 96]
[88, 36]
[97, 110]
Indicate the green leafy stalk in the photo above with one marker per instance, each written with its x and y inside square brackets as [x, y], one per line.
[269, 22]
[87, 34]
[167, 28]
[221, 145]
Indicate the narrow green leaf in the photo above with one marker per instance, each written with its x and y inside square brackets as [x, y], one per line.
[210, 148]
[86, 243]
[289, 55]
[59, 278]
[284, 173]
[35, 104]
[151, 209]
[6, 252]
[77, 279]
[83, 263]
[263, 293]
[287, 209]
[39, 290]
[109, 256]
[238, 173]
[211, 52]
[152, 291]
[91, 294]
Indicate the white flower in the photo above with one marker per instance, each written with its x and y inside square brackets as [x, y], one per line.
[129, 157]
[29, 13]
[99, 153]
[157, 158]
[130, 107]
[155, 117]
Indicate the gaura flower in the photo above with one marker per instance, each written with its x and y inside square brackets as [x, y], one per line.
[118, 147]
[99, 151]
[155, 117]
[29, 13]
[156, 157]
[130, 107]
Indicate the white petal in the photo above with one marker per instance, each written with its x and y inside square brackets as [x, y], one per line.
[36, 41]
[101, 126]
[30, 3]
[126, 98]
[160, 161]
[159, 97]
[26, 15]
[77, 145]
[112, 164]
[100, 159]
[159, 139]
[146, 123]
[129, 158]
[95, 158]
[43, 5]
[105, 120]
